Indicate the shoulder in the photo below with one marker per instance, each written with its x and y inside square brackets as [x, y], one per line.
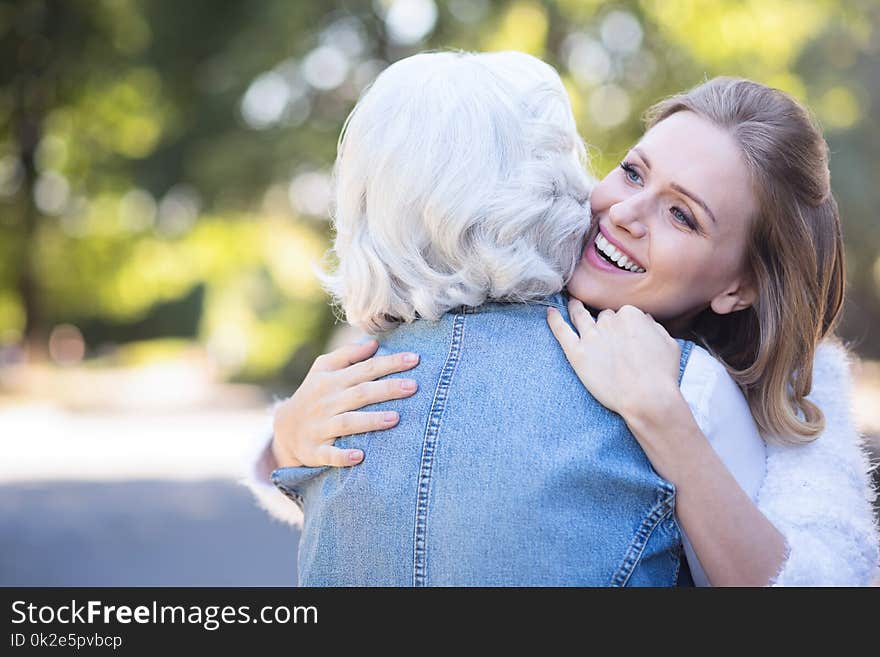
[698, 382]
[831, 391]
[712, 394]
[832, 383]
[839, 451]
[724, 417]
[819, 494]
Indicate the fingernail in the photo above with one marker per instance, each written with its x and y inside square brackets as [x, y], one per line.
[390, 417]
[410, 358]
[551, 309]
[355, 455]
[408, 385]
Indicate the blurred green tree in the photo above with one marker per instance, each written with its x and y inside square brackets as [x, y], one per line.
[164, 169]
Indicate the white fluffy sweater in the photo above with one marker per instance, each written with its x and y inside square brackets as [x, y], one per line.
[819, 495]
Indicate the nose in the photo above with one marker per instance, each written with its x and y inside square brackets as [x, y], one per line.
[628, 214]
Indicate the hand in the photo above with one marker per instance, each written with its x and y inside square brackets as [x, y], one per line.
[323, 408]
[626, 360]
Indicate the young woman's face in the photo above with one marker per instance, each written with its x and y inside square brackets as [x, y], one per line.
[679, 208]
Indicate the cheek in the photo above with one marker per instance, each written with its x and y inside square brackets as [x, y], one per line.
[722, 265]
[603, 195]
[692, 282]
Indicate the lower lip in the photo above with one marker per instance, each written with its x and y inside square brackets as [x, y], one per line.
[593, 257]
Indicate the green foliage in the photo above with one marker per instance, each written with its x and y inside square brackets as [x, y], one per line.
[154, 148]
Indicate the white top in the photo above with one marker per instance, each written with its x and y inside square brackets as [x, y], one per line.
[722, 413]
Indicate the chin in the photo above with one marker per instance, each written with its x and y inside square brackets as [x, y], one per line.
[581, 288]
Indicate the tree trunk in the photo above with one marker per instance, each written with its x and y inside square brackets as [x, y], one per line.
[28, 128]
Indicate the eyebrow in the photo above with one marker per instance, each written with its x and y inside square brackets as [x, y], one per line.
[696, 199]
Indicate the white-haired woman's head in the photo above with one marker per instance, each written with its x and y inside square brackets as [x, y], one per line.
[459, 179]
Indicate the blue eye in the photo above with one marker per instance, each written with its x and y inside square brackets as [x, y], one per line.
[630, 172]
[682, 217]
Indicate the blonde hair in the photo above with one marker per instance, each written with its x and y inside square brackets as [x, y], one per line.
[795, 253]
[459, 179]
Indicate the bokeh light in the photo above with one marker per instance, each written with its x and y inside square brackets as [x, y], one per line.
[137, 210]
[265, 101]
[609, 106]
[310, 193]
[325, 67]
[51, 192]
[410, 21]
[621, 32]
[587, 59]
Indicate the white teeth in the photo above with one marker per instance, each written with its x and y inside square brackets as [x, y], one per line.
[616, 256]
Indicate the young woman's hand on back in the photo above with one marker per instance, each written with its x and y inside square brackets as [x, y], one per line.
[325, 406]
[627, 361]
[630, 364]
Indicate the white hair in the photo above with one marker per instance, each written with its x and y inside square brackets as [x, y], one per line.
[460, 178]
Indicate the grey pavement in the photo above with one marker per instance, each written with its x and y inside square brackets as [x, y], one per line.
[141, 533]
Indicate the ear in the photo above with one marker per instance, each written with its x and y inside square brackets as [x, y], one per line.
[739, 296]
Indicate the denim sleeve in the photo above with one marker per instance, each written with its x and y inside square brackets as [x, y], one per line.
[292, 480]
[257, 466]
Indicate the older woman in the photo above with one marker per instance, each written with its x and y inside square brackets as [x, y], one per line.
[453, 236]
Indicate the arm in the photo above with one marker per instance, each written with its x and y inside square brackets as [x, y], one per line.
[818, 495]
[630, 364]
[723, 415]
[735, 544]
[324, 407]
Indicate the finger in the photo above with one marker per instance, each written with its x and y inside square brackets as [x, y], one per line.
[377, 367]
[355, 422]
[633, 321]
[340, 458]
[345, 355]
[564, 334]
[604, 317]
[631, 311]
[581, 318]
[372, 392]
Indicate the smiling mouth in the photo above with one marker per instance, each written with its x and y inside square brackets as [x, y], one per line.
[608, 252]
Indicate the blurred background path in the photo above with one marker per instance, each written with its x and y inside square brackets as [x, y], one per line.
[128, 478]
[140, 533]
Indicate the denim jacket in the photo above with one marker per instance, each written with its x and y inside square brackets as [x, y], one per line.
[503, 471]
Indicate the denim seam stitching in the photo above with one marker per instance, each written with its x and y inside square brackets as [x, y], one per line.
[658, 513]
[432, 432]
[678, 557]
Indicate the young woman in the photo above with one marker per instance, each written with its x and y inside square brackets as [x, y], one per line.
[720, 224]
